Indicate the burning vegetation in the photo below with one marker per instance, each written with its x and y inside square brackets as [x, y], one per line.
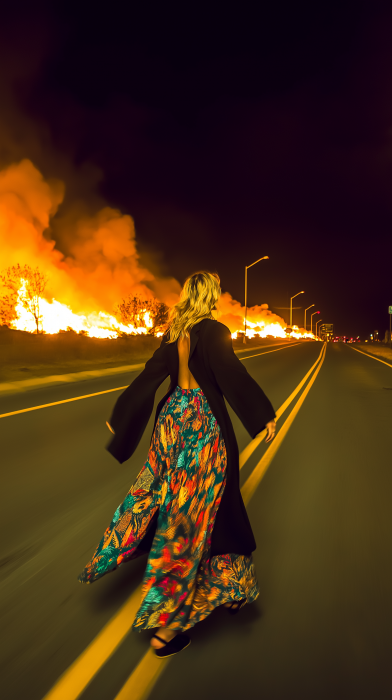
[25, 308]
[99, 288]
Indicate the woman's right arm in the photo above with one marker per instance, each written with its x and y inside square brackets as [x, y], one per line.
[242, 392]
[133, 408]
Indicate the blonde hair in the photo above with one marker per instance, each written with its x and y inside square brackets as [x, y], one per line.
[198, 297]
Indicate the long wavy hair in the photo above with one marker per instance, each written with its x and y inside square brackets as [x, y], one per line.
[198, 297]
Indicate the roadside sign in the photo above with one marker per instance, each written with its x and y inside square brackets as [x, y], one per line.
[390, 309]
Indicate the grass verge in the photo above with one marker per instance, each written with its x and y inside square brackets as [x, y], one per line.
[28, 356]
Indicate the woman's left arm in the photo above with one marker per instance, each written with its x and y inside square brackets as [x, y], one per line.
[244, 395]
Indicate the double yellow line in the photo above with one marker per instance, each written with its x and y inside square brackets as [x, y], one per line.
[258, 472]
[143, 678]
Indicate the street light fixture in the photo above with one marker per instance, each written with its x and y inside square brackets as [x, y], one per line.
[246, 288]
[309, 307]
[311, 320]
[319, 321]
[291, 307]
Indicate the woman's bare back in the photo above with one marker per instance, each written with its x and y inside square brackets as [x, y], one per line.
[185, 379]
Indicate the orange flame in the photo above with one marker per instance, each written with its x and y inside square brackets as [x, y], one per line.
[101, 267]
[56, 317]
[260, 322]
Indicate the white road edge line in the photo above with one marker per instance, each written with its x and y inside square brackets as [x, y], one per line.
[372, 357]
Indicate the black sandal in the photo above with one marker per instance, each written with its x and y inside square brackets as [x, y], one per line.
[178, 643]
[235, 606]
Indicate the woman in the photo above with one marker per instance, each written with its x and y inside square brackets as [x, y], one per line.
[185, 507]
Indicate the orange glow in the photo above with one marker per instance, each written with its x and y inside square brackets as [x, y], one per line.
[101, 267]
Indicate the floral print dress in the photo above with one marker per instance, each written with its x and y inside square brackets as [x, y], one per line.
[181, 485]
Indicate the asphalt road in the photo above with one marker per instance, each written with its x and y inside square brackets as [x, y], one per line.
[322, 517]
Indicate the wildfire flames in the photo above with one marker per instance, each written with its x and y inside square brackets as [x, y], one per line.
[102, 266]
[261, 322]
[275, 330]
[56, 317]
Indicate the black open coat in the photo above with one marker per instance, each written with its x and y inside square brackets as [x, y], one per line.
[219, 373]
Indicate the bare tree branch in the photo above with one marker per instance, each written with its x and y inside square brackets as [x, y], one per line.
[26, 285]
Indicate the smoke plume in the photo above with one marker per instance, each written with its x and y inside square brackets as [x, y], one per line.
[102, 263]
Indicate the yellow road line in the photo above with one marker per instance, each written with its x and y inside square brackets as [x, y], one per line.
[57, 403]
[257, 474]
[107, 391]
[77, 677]
[143, 678]
[250, 448]
[372, 357]
[258, 347]
[268, 351]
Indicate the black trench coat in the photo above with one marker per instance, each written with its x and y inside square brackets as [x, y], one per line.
[219, 373]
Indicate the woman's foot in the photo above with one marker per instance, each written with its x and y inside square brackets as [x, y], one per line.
[178, 642]
[235, 606]
[165, 634]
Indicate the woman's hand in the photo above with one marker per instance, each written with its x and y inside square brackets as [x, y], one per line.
[271, 430]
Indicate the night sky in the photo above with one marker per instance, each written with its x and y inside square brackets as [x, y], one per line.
[226, 134]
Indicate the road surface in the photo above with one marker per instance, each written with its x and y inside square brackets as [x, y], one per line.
[322, 518]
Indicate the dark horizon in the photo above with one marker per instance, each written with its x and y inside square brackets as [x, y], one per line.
[226, 138]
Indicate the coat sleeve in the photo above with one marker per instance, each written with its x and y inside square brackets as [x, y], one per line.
[242, 392]
[133, 408]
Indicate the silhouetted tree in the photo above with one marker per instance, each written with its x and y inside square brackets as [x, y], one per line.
[160, 317]
[7, 309]
[132, 310]
[26, 284]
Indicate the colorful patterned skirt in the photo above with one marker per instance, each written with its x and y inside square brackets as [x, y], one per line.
[179, 488]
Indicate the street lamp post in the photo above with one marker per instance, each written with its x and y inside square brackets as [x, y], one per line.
[390, 332]
[311, 320]
[309, 307]
[319, 321]
[291, 307]
[246, 288]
